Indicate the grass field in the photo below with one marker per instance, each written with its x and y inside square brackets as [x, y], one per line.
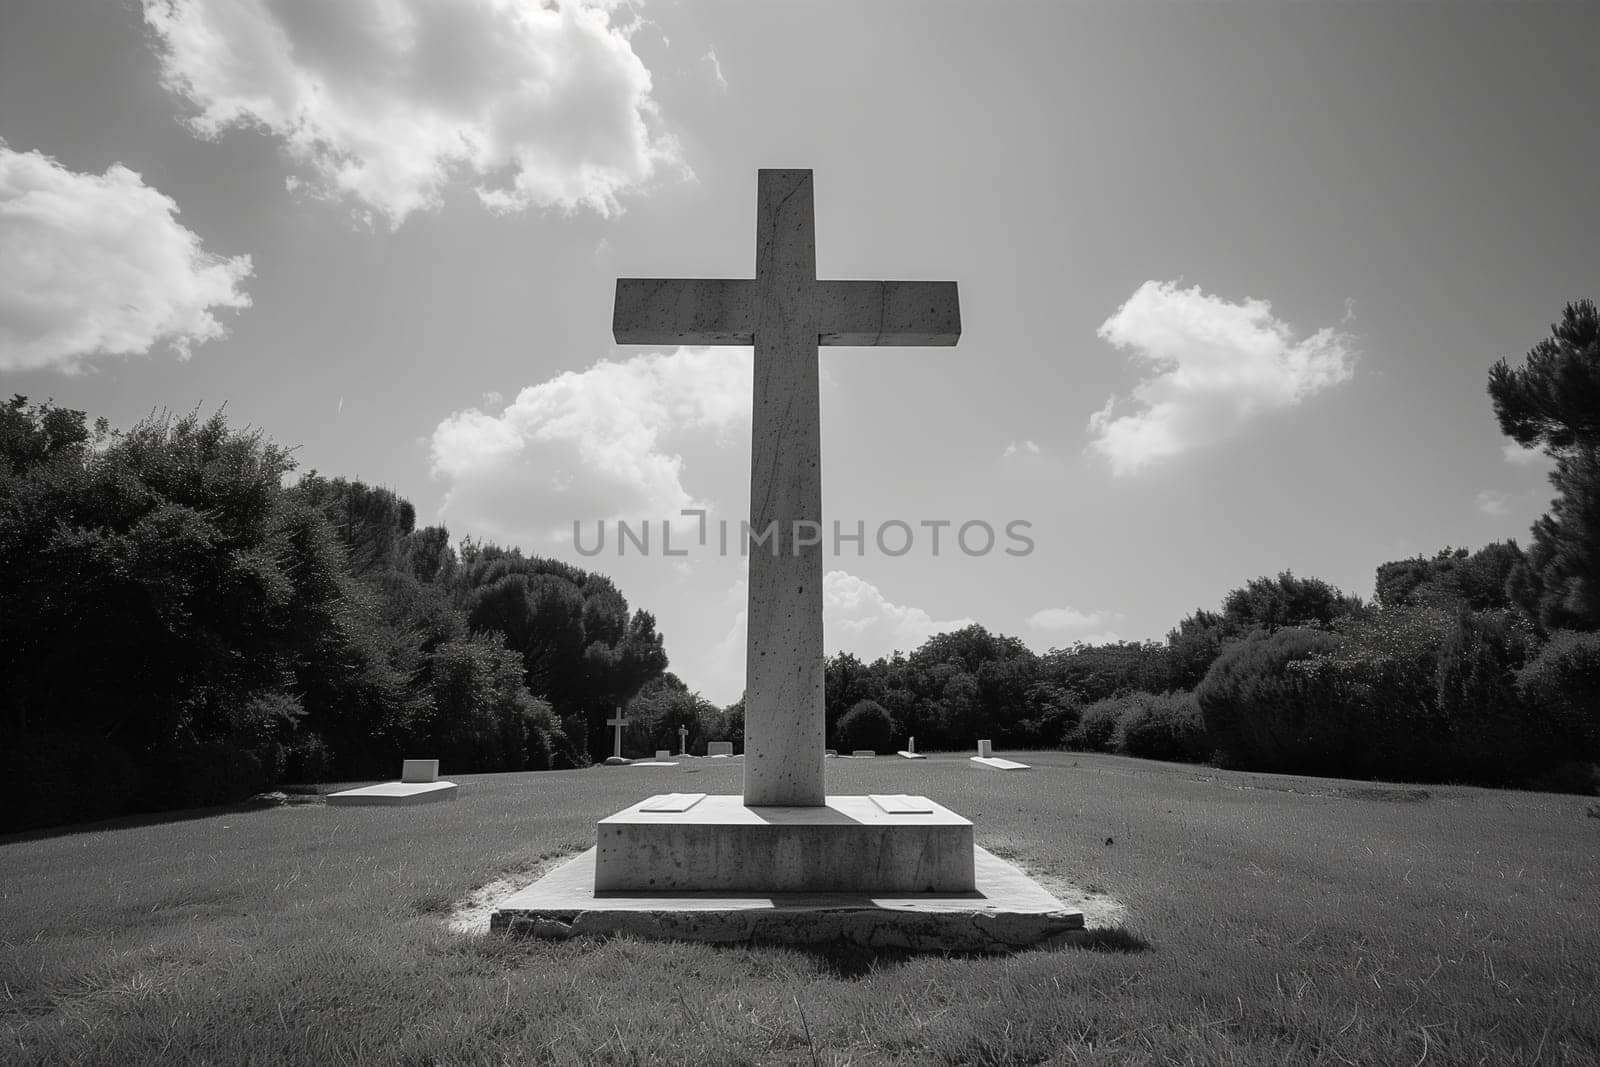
[1269, 920]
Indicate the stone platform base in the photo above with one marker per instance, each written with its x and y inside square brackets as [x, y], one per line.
[911, 755]
[1004, 912]
[391, 793]
[682, 842]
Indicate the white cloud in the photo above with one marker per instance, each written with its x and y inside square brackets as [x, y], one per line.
[856, 618]
[1491, 502]
[1065, 620]
[716, 68]
[1521, 457]
[589, 445]
[1084, 626]
[386, 101]
[99, 266]
[1016, 448]
[1212, 366]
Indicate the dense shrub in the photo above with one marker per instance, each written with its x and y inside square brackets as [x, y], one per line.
[866, 726]
[1561, 685]
[1097, 727]
[1056, 722]
[1263, 715]
[1484, 732]
[1167, 726]
[483, 716]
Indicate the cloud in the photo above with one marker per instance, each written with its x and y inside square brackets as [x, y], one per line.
[589, 445]
[387, 101]
[716, 68]
[99, 266]
[1211, 367]
[856, 618]
[1080, 626]
[1020, 448]
[1065, 620]
[1521, 457]
[1491, 502]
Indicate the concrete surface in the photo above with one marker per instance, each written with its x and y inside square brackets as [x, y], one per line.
[719, 844]
[1005, 911]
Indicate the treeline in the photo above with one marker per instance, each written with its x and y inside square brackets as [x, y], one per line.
[178, 627]
[1440, 680]
[1469, 666]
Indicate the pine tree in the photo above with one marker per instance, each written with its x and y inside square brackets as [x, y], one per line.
[1553, 400]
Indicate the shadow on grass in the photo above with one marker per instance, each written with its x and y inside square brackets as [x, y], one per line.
[852, 962]
[1109, 939]
[134, 822]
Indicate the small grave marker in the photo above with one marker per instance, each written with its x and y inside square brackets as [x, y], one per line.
[419, 770]
[902, 803]
[719, 748]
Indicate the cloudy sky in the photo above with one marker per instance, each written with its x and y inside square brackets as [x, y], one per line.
[1231, 276]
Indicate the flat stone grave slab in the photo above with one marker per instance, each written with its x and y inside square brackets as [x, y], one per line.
[394, 793]
[863, 753]
[1003, 912]
[717, 844]
[911, 755]
[1001, 764]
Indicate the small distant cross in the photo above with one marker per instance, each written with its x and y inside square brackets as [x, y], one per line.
[785, 312]
[619, 722]
[683, 740]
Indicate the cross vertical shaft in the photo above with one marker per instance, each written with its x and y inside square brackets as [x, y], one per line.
[784, 721]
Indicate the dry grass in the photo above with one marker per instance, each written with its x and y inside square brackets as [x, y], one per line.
[1269, 920]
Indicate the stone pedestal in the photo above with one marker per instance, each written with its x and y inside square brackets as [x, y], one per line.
[1004, 911]
[852, 843]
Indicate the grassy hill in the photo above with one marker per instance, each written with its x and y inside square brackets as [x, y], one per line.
[1268, 920]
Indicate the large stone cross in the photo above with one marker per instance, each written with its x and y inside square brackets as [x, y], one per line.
[785, 312]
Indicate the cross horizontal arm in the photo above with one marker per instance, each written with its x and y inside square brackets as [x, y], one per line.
[684, 311]
[888, 313]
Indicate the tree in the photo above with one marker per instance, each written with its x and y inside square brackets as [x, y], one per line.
[1273, 603]
[866, 726]
[1479, 580]
[1553, 400]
